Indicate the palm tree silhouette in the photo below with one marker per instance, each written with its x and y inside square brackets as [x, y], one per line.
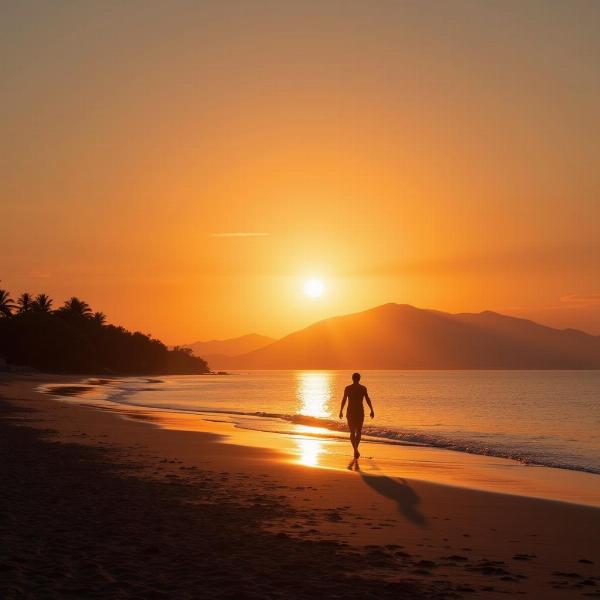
[42, 303]
[6, 304]
[24, 302]
[75, 339]
[99, 317]
[76, 307]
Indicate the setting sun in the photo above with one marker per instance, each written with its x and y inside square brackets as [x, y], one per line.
[314, 288]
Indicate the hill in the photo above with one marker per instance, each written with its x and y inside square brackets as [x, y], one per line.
[218, 352]
[399, 336]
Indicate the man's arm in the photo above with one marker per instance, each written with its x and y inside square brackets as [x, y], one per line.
[343, 403]
[369, 403]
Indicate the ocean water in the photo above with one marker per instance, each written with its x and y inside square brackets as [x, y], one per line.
[549, 418]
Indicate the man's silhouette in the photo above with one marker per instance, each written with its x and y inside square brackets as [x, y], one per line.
[355, 414]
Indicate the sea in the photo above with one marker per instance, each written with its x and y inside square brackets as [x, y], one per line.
[546, 418]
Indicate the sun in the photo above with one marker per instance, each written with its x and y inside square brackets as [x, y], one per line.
[314, 288]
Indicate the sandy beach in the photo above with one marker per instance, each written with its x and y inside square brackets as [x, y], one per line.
[96, 506]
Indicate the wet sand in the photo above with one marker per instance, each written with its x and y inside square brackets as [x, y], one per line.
[94, 505]
[319, 447]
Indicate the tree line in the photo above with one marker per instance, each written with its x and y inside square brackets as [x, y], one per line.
[75, 339]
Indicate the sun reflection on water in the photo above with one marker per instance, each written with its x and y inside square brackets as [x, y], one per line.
[314, 394]
[309, 451]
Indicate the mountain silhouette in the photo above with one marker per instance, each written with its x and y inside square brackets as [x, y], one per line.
[399, 336]
[218, 352]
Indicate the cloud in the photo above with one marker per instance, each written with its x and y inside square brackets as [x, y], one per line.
[239, 234]
[532, 260]
[581, 299]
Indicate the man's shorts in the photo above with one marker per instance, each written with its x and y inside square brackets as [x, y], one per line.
[355, 419]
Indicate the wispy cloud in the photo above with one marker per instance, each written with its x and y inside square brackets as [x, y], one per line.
[582, 299]
[528, 259]
[239, 234]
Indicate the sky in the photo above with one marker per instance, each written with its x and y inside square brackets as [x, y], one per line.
[184, 167]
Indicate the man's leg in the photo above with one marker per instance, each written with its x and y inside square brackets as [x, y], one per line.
[357, 436]
[352, 436]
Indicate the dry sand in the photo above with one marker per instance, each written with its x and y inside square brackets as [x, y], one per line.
[96, 506]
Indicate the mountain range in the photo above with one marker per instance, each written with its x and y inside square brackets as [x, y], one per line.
[400, 336]
[217, 352]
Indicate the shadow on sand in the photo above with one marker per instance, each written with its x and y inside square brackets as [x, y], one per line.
[397, 490]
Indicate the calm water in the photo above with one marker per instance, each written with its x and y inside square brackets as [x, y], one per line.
[548, 418]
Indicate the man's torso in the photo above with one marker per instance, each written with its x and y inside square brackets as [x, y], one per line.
[355, 394]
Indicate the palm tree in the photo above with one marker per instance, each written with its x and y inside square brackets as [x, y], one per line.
[99, 317]
[6, 304]
[24, 302]
[42, 303]
[76, 307]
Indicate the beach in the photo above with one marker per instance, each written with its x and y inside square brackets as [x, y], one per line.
[97, 505]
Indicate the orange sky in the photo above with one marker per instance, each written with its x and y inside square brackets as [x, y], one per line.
[438, 154]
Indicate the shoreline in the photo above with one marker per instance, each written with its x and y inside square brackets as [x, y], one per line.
[319, 447]
[439, 538]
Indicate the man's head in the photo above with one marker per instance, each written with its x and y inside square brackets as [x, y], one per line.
[356, 377]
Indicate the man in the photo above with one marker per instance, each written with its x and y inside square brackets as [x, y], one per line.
[356, 413]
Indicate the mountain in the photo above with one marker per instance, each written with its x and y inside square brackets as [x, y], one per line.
[399, 336]
[218, 352]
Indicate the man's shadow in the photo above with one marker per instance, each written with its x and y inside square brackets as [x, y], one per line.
[397, 490]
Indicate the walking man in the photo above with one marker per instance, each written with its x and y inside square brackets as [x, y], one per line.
[355, 414]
